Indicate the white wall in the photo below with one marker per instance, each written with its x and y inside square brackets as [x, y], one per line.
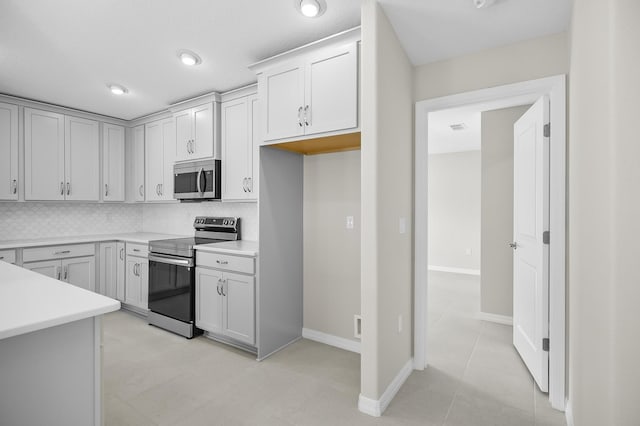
[41, 220]
[331, 252]
[387, 196]
[496, 282]
[454, 210]
[604, 212]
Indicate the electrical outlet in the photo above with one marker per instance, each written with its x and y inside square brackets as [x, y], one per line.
[399, 323]
[349, 222]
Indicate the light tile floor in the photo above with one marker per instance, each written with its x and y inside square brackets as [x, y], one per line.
[152, 377]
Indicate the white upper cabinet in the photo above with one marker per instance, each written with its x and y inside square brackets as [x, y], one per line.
[8, 152]
[310, 92]
[194, 132]
[160, 148]
[137, 163]
[113, 165]
[238, 152]
[44, 155]
[82, 159]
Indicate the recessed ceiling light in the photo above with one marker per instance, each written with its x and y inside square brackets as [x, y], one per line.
[311, 8]
[116, 89]
[481, 4]
[189, 58]
[458, 126]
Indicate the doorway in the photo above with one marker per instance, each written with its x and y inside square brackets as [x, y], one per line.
[497, 98]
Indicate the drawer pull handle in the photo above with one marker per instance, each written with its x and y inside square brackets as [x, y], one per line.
[136, 249]
[222, 262]
[62, 252]
[1, 257]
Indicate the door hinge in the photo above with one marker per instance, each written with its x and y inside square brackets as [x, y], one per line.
[545, 344]
[545, 237]
[547, 130]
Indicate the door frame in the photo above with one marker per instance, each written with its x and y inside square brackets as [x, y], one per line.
[495, 98]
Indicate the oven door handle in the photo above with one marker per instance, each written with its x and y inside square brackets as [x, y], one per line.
[171, 260]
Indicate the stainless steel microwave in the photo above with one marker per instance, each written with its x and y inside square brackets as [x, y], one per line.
[197, 180]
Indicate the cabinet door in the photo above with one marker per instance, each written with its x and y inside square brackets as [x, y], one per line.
[132, 288]
[209, 300]
[43, 155]
[121, 271]
[183, 123]
[239, 307]
[236, 150]
[256, 140]
[8, 152]
[331, 90]
[82, 159]
[108, 269]
[169, 157]
[113, 162]
[154, 160]
[50, 268]
[138, 163]
[283, 90]
[202, 134]
[80, 272]
[143, 272]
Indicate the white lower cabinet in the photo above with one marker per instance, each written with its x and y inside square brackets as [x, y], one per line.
[225, 304]
[137, 282]
[120, 272]
[108, 269]
[79, 271]
[8, 256]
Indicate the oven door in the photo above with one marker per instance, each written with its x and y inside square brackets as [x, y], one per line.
[172, 287]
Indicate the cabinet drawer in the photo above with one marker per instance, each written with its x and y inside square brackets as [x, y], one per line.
[246, 265]
[141, 250]
[57, 252]
[8, 256]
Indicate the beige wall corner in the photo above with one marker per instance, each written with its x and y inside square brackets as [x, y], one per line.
[496, 282]
[387, 199]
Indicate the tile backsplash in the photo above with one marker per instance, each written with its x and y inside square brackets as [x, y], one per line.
[42, 220]
[178, 218]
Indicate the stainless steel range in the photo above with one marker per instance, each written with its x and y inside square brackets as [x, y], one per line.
[172, 277]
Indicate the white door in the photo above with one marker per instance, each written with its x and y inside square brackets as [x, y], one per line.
[209, 300]
[43, 155]
[202, 139]
[284, 102]
[168, 157]
[154, 160]
[143, 273]
[121, 272]
[331, 91]
[236, 149]
[137, 164]
[80, 272]
[183, 134]
[50, 268]
[238, 292]
[8, 152]
[530, 254]
[108, 269]
[113, 162]
[82, 159]
[132, 289]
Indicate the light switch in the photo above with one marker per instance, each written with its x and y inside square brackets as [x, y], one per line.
[349, 222]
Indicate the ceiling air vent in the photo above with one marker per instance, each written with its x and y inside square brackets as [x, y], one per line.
[458, 126]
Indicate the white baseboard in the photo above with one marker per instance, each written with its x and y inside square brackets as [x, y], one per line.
[500, 319]
[375, 407]
[465, 271]
[568, 413]
[330, 339]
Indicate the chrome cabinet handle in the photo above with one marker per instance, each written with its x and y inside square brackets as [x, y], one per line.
[306, 110]
[244, 184]
[66, 273]
[106, 190]
[513, 245]
[218, 288]
[140, 191]
[121, 254]
[68, 188]
[249, 184]
[61, 188]
[62, 252]
[158, 189]
[299, 118]
[222, 287]
[161, 189]
[136, 249]
[222, 262]
[58, 272]
[15, 186]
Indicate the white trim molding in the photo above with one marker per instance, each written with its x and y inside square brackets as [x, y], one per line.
[375, 407]
[331, 340]
[499, 319]
[568, 413]
[465, 271]
[509, 95]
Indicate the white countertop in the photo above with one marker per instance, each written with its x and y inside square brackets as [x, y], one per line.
[242, 247]
[30, 301]
[133, 237]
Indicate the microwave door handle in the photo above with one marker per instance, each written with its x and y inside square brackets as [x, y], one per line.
[202, 187]
[198, 180]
